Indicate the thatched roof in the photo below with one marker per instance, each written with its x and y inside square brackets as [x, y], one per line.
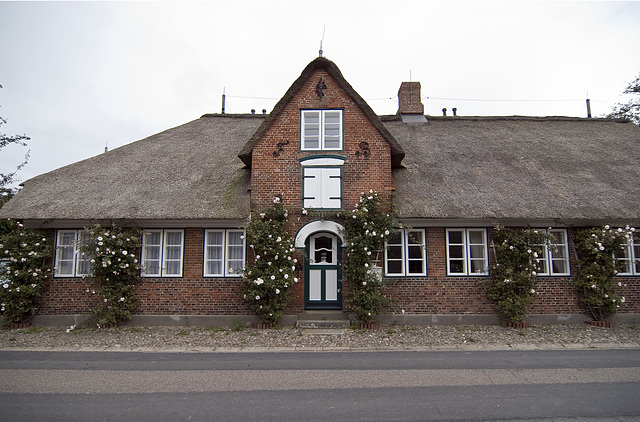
[188, 172]
[562, 169]
[397, 153]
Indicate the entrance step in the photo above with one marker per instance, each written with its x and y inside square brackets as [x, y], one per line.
[323, 320]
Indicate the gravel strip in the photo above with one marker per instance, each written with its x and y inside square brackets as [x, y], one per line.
[388, 337]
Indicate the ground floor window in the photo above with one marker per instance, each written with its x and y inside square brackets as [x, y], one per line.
[467, 252]
[631, 257]
[70, 260]
[224, 252]
[553, 257]
[405, 253]
[162, 253]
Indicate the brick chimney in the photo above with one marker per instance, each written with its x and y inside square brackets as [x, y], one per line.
[409, 99]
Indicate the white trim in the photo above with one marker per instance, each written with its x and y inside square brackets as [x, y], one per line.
[322, 161]
[315, 227]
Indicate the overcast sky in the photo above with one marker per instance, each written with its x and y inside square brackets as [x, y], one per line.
[79, 76]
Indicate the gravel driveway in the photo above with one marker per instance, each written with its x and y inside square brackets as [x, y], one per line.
[207, 339]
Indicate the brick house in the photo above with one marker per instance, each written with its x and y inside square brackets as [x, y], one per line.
[193, 187]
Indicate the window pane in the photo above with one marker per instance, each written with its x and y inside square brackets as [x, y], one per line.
[415, 252]
[456, 266]
[478, 266]
[456, 252]
[455, 236]
[476, 237]
[152, 238]
[394, 252]
[394, 267]
[559, 267]
[173, 238]
[476, 252]
[416, 267]
[214, 253]
[214, 267]
[173, 252]
[214, 238]
[152, 252]
[173, 268]
[65, 268]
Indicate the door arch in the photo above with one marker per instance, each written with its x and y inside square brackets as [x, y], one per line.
[323, 284]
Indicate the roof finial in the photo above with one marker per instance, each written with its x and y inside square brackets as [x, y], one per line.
[320, 52]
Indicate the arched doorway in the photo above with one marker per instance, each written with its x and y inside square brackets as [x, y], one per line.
[323, 284]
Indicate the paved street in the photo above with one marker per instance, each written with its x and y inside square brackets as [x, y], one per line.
[367, 386]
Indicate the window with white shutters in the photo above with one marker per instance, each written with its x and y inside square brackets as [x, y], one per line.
[322, 183]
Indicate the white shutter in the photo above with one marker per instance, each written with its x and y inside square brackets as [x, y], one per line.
[332, 188]
[312, 186]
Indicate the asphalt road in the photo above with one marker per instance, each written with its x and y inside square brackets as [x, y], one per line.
[597, 385]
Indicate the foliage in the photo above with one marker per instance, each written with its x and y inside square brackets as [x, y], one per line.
[115, 270]
[596, 248]
[6, 140]
[366, 231]
[512, 279]
[631, 109]
[24, 273]
[269, 278]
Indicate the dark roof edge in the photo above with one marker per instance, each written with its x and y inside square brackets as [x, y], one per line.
[397, 153]
[395, 117]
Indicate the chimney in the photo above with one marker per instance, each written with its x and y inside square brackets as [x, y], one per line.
[409, 99]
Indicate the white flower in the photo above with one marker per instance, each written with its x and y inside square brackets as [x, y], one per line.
[295, 279]
[277, 291]
[279, 239]
[121, 299]
[259, 281]
[286, 276]
[533, 290]
[304, 211]
[273, 277]
[257, 297]
[364, 283]
[124, 253]
[622, 299]
[5, 285]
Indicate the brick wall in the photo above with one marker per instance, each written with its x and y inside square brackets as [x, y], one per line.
[435, 294]
[282, 175]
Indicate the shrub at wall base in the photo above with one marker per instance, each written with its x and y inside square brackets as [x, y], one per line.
[115, 270]
[366, 231]
[268, 279]
[512, 279]
[24, 273]
[597, 248]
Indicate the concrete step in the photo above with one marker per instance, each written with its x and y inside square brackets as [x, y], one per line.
[323, 320]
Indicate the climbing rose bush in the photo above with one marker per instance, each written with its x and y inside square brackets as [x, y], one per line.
[512, 279]
[24, 272]
[268, 280]
[597, 248]
[116, 270]
[366, 231]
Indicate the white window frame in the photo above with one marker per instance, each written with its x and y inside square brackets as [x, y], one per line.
[322, 183]
[229, 268]
[323, 129]
[631, 257]
[549, 254]
[467, 257]
[163, 255]
[405, 247]
[79, 257]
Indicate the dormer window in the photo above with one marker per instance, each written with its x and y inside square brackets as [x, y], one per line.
[321, 130]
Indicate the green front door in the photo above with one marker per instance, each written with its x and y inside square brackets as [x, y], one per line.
[323, 287]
